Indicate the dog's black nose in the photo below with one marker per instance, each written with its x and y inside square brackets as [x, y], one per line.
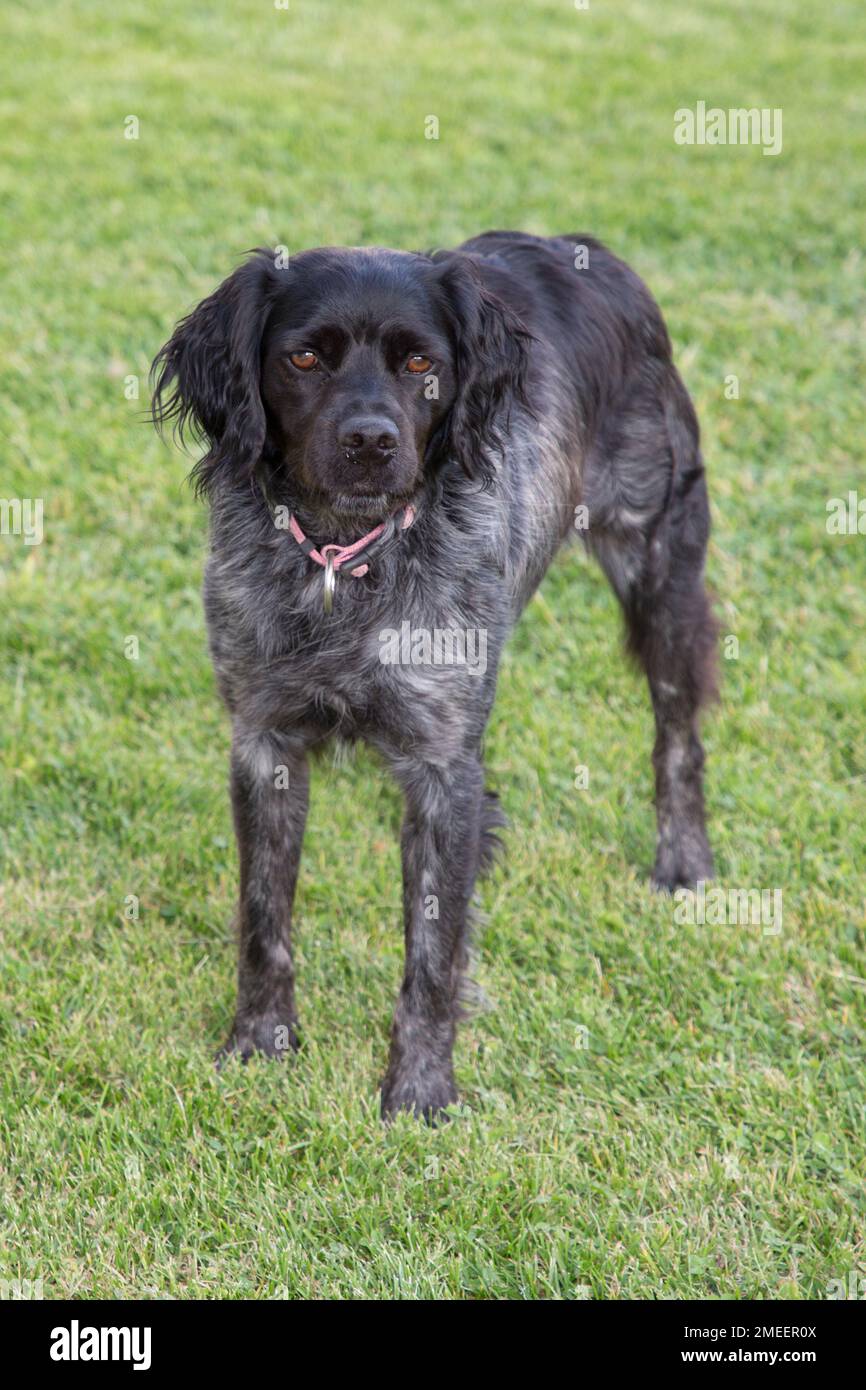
[370, 437]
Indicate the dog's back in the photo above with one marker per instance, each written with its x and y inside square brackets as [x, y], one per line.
[605, 399]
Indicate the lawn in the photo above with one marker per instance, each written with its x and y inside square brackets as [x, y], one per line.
[650, 1109]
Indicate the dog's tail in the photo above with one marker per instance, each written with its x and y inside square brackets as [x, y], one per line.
[493, 819]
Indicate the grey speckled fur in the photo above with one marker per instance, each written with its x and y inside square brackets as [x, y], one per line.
[557, 390]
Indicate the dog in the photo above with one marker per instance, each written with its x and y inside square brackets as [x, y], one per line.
[400, 439]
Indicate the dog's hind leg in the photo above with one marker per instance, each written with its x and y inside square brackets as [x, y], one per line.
[672, 634]
[656, 569]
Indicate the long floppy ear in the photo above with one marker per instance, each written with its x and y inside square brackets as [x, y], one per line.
[207, 374]
[492, 361]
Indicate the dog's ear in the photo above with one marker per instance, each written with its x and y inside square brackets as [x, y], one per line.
[492, 360]
[206, 377]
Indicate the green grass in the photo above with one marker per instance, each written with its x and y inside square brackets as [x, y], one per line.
[709, 1140]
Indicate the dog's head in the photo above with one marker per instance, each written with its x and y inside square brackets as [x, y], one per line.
[353, 370]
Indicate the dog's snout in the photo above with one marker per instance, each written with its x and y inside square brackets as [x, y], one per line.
[370, 436]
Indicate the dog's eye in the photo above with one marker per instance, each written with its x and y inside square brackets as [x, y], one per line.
[304, 361]
[417, 363]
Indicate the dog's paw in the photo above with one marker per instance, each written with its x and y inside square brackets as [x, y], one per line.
[269, 1036]
[425, 1096]
[682, 865]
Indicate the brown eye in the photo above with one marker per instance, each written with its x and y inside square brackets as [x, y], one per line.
[419, 364]
[304, 361]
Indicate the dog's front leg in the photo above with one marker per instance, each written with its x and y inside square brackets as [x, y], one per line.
[440, 847]
[270, 790]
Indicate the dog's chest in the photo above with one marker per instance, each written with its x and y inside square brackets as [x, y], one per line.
[394, 677]
[407, 679]
[402, 660]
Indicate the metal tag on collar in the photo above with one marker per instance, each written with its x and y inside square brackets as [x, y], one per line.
[329, 583]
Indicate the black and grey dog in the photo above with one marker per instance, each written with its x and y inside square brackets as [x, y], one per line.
[399, 443]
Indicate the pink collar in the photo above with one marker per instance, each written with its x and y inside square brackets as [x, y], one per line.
[333, 557]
